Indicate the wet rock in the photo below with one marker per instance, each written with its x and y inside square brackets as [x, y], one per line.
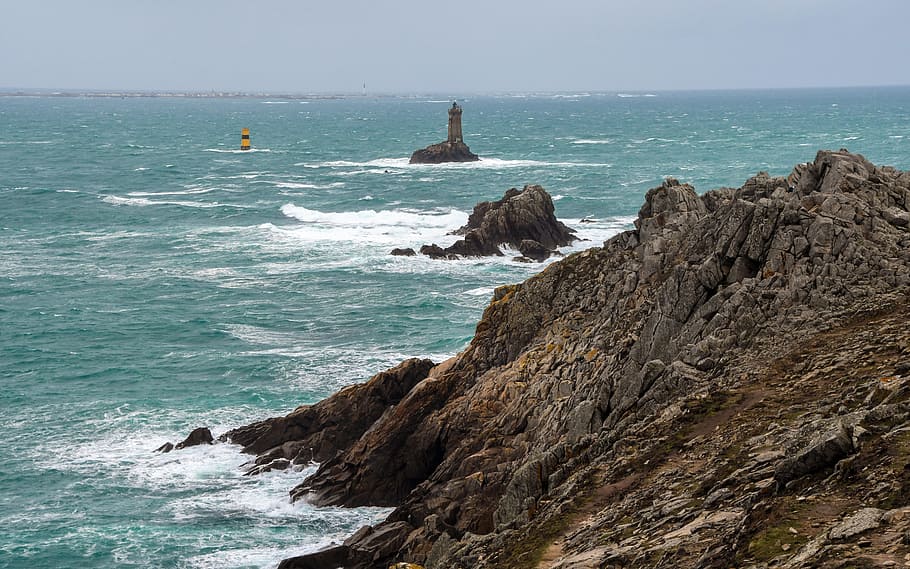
[166, 447]
[406, 252]
[317, 432]
[198, 436]
[330, 558]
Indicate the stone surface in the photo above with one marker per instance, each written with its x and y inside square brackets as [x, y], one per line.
[681, 397]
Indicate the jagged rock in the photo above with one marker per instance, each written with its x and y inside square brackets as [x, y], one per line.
[534, 250]
[198, 436]
[735, 346]
[443, 152]
[317, 432]
[166, 447]
[522, 219]
[405, 252]
[330, 558]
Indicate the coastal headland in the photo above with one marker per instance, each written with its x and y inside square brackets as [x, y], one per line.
[727, 384]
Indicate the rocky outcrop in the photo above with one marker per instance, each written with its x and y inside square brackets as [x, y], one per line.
[523, 219]
[198, 436]
[317, 432]
[717, 387]
[443, 152]
[403, 252]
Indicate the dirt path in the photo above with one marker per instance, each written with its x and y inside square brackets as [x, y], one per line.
[605, 494]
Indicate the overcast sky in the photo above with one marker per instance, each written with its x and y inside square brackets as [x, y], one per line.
[430, 46]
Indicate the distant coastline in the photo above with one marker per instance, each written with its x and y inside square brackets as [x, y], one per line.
[623, 94]
[162, 94]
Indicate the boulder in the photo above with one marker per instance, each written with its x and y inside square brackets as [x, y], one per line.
[405, 252]
[534, 250]
[199, 436]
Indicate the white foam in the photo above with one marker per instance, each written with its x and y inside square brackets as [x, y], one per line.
[397, 227]
[483, 163]
[299, 186]
[237, 151]
[592, 141]
[275, 102]
[261, 557]
[558, 197]
[485, 291]
[187, 192]
[144, 202]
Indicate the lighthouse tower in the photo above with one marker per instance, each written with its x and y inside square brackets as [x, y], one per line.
[455, 124]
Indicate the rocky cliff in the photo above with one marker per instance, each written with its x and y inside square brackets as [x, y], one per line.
[727, 384]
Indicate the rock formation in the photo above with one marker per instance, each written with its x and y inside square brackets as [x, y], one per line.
[452, 150]
[522, 219]
[199, 436]
[728, 384]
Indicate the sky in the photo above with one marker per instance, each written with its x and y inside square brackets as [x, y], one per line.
[459, 46]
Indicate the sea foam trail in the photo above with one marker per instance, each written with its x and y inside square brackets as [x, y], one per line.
[145, 202]
[387, 227]
[483, 163]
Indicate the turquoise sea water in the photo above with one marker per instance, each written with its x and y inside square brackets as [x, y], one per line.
[153, 279]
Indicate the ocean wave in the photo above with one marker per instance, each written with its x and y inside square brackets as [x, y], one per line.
[484, 291]
[187, 192]
[634, 95]
[592, 141]
[366, 219]
[306, 186]
[145, 202]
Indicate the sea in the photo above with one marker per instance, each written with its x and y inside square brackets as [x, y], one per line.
[154, 278]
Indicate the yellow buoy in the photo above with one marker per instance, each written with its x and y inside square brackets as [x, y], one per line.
[245, 139]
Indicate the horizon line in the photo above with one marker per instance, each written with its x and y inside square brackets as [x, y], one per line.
[231, 93]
